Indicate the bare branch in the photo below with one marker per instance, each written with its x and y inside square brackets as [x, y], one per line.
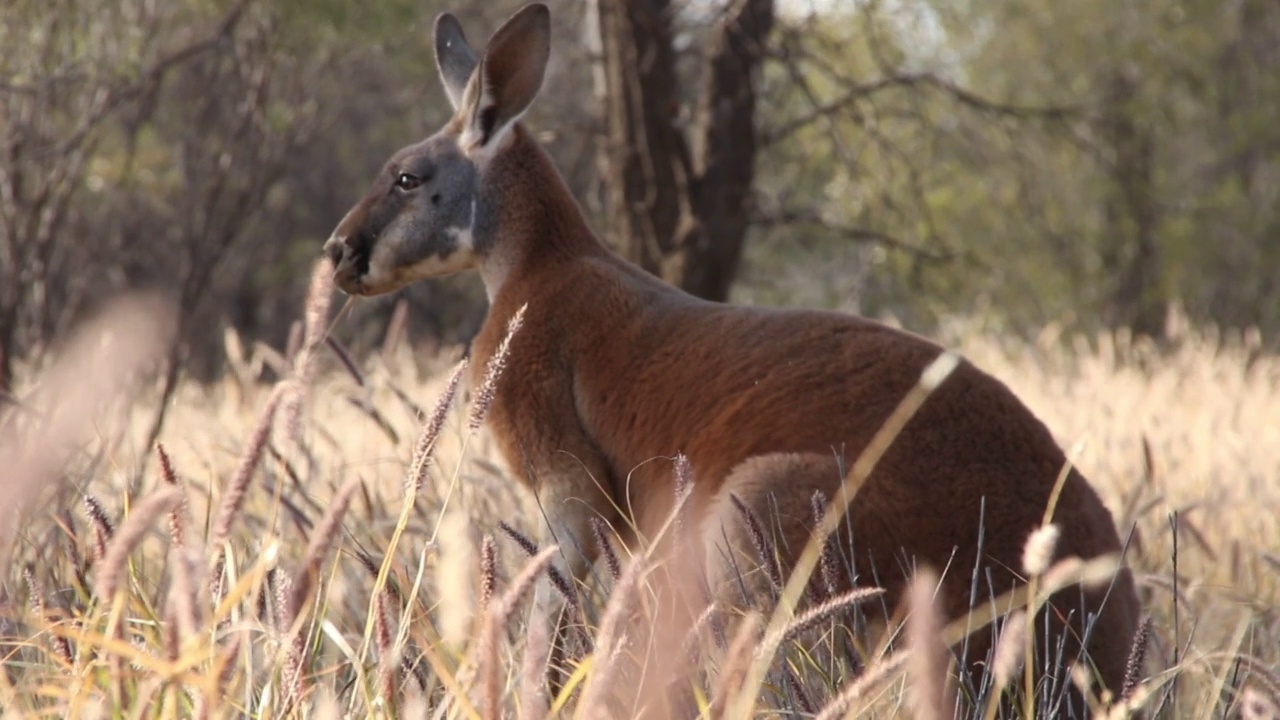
[847, 103]
[855, 233]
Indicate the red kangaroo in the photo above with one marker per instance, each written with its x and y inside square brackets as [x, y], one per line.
[615, 372]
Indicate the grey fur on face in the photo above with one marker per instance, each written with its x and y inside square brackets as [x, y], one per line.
[441, 218]
[417, 220]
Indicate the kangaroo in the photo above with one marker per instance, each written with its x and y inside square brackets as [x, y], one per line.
[614, 372]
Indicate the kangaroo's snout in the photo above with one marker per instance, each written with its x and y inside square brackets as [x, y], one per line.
[350, 263]
[335, 248]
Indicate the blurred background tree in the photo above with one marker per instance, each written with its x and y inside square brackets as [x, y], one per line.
[1090, 163]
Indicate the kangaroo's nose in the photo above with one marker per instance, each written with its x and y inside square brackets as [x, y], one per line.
[337, 249]
[349, 263]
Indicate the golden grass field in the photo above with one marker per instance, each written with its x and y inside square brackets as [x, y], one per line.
[339, 598]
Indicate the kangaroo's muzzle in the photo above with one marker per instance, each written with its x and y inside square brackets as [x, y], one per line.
[350, 263]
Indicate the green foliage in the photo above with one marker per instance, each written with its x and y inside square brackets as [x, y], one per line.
[1038, 148]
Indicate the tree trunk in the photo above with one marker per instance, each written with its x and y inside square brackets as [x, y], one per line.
[1130, 249]
[1246, 84]
[642, 149]
[6, 360]
[678, 213]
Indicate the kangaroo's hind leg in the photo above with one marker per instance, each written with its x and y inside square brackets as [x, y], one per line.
[757, 527]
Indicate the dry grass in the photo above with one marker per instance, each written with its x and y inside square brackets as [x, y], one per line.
[333, 573]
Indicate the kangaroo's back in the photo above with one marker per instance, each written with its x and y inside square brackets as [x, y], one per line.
[654, 367]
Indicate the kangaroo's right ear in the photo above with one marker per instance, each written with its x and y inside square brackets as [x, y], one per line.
[455, 57]
[509, 78]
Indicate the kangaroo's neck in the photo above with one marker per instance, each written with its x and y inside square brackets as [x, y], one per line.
[527, 217]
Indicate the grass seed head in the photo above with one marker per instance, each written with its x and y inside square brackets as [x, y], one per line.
[455, 579]
[765, 549]
[388, 654]
[1133, 668]
[424, 448]
[488, 570]
[600, 532]
[322, 540]
[843, 603]
[142, 518]
[233, 496]
[493, 371]
[525, 543]
[1010, 650]
[177, 516]
[828, 563]
[928, 687]
[102, 528]
[1038, 551]
[733, 671]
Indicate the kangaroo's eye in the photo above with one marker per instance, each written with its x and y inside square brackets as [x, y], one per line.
[405, 181]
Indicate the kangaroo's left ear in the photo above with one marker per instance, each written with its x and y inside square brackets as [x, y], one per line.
[455, 58]
[509, 77]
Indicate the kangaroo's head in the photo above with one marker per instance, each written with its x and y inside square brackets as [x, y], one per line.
[432, 210]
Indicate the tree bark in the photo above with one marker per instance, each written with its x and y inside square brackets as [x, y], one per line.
[1131, 251]
[642, 149]
[1246, 83]
[678, 212]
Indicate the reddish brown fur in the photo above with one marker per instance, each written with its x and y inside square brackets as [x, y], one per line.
[615, 372]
